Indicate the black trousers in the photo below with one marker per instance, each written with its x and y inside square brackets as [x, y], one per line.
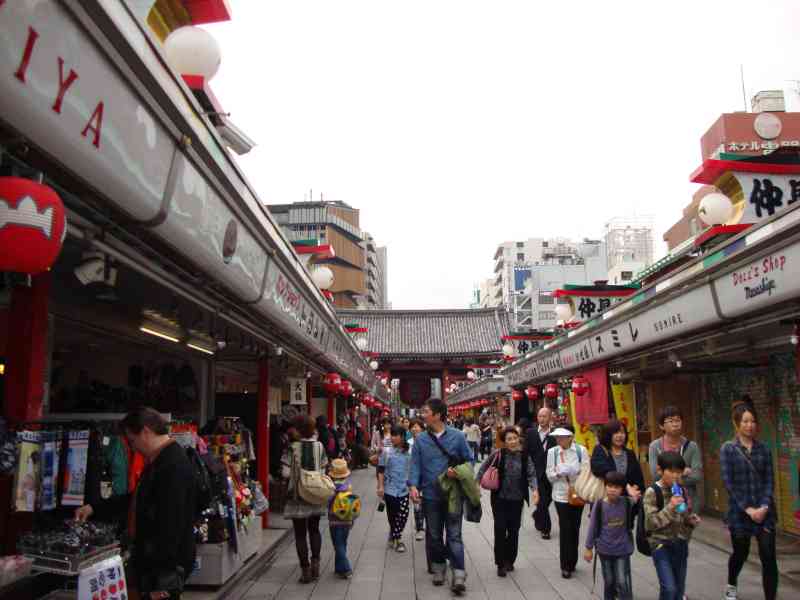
[307, 528]
[507, 521]
[541, 516]
[397, 514]
[766, 552]
[569, 530]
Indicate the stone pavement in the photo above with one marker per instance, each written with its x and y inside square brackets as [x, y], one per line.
[386, 575]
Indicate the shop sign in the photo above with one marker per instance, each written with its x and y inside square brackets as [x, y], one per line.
[297, 390]
[104, 580]
[761, 283]
[535, 369]
[201, 226]
[767, 194]
[585, 308]
[757, 146]
[69, 99]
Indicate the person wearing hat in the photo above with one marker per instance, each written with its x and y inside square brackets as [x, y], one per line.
[340, 521]
[564, 463]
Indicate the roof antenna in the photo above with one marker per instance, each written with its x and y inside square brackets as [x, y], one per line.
[744, 94]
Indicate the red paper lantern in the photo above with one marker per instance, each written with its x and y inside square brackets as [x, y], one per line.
[532, 392]
[580, 385]
[332, 384]
[328, 295]
[32, 226]
[346, 388]
[516, 395]
[551, 391]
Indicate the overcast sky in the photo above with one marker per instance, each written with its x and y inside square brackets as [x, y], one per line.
[455, 125]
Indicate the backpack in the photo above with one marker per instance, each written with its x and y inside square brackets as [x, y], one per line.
[642, 543]
[312, 486]
[346, 506]
[204, 492]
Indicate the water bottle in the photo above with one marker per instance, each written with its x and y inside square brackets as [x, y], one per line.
[676, 491]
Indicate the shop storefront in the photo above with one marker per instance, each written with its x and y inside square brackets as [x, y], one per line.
[717, 331]
[173, 287]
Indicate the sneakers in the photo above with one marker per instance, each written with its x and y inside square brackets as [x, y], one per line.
[391, 544]
[730, 592]
[459, 584]
[345, 575]
[400, 547]
[439, 573]
[420, 535]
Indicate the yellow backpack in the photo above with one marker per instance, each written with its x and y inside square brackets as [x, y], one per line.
[346, 506]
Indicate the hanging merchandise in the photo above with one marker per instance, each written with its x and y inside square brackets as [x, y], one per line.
[27, 477]
[51, 454]
[230, 518]
[75, 468]
[105, 579]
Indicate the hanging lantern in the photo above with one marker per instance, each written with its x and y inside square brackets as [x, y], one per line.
[332, 384]
[532, 392]
[322, 277]
[471, 375]
[551, 391]
[32, 226]
[346, 388]
[516, 395]
[508, 350]
[580, 385]
[373, 364]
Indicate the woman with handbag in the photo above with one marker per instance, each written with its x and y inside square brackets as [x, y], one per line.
[308, 455]
[747, 472]
[508, 473]
[564, 463]
[612, 454]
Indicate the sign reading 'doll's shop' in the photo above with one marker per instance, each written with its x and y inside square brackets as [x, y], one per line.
[763, 282]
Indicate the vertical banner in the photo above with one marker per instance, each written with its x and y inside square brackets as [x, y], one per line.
[625, 407]
[583, 433]
[592, 407]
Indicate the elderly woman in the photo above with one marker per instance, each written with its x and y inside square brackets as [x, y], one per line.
[564, 463]
[517, 474]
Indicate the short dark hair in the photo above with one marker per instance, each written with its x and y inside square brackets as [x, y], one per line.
[740, 409]
[437, 407]
[416, 421]
[305, 425]
[608, 430]
[142, 417]
[671, 461]
[616, 479]
[401, 433]
[506, 431]
[668, 412]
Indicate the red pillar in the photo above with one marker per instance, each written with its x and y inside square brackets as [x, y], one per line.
[27, 350]
[262, 434]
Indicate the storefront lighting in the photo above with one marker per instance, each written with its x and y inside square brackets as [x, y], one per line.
[715, 209]
[193, 51]
[200, 349]
[163, 336]
[373, 365]
[2, 369]
[793, 339]
[508, 350]
[471, 375]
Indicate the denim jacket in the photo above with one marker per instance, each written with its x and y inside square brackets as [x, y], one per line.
[395, 464]
[428, 462]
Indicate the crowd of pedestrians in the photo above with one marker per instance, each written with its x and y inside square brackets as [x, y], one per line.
[435, 468]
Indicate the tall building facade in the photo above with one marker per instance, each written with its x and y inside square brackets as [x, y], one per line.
[527, 272]
[355, 266]
[630, 247]
[377, 288]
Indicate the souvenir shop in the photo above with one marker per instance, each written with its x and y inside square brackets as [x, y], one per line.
[137, 267]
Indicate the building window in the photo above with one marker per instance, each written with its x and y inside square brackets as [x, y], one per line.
[521, 256]
[545, 244]
[544, 299]
[520, 244]
[547, 315]
[626, 275]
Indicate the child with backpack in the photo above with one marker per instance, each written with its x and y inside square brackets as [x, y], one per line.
[611, 534]
[343, 510]
[668, 524]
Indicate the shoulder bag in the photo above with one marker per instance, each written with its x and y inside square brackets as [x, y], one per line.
[589, 487]
[314, 487]
[573, 499]
[491, 477]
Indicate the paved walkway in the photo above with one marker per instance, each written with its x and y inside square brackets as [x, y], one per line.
[386, 575]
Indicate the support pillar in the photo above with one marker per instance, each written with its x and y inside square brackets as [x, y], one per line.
[262, 433]
[445, 383]
[27, 350]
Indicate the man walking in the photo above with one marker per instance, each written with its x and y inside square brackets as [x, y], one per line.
[160, 512]
[539, 442]
[435, 452]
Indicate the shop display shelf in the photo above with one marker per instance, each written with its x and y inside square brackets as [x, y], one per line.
[70, 565]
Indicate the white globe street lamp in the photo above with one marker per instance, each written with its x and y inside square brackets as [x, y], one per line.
[373, 365]
[322, 277]
[563, 312]
[508, 350]
[362, 342]
[471, 375]
[715, 209]
[193, 51]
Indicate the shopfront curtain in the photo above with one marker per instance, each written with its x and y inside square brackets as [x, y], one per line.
[592, 407]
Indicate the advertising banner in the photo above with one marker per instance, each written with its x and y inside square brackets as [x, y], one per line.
[625, 407]
[583, 432]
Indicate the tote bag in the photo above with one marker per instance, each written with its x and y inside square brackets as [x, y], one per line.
[491, 477]
[314, 487]
[588, 487]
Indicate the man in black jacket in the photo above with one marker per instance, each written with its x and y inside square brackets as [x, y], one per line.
[539, 442]
[160, 512]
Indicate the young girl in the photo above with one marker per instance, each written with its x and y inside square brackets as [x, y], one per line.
[416, 428]
[393, 470]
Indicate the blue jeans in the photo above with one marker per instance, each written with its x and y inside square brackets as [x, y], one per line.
[670, 560]
[473, 446]
[339, 534]
[616, 577]
[438, 520]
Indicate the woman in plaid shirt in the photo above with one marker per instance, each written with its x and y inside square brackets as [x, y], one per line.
[747, 472]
